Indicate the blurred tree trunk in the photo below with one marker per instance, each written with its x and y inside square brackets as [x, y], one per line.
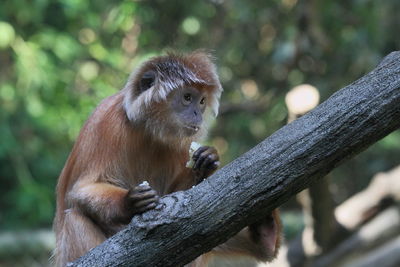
[383, 191]
[379, 230]
[350, 218]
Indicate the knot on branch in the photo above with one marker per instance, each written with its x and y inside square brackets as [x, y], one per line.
[170, 208]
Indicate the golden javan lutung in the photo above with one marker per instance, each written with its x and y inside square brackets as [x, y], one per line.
[143, 132]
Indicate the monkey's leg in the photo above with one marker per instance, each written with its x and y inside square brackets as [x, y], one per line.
[79, 234]
[260, 240]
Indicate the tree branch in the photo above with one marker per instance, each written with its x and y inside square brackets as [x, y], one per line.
[187, 224]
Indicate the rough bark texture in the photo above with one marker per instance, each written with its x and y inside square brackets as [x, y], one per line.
[192, 222]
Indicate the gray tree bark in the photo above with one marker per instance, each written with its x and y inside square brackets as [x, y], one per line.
[187, 224]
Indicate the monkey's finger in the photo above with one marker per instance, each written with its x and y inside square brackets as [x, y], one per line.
[208, 160]
[197, 153]
[144, 195]
[142, 188]
[198, 162]
[202, 157]
[214, 165]
[139, 191]
[146, 208]
[212, 150]
[144, 203]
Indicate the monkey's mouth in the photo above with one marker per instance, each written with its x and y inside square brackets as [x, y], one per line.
[192, 128]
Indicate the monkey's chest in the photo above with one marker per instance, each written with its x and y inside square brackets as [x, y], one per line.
[161, 177]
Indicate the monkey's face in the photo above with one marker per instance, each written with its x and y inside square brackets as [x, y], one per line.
[187, 106]
[174, 97]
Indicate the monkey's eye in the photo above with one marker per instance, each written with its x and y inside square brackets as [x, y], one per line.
[203, 101]
[187, 98]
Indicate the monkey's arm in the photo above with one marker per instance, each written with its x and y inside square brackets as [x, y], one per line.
[110, 205]
[206, 162]
[260, 240]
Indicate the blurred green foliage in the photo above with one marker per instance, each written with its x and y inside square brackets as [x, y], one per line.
[58, 59]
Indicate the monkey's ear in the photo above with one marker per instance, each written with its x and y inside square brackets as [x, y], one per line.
[147, 80]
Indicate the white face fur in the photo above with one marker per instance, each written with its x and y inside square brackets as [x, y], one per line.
[163, 83]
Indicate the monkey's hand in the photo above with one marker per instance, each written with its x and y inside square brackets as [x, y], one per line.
[141, 198]
[206, 161]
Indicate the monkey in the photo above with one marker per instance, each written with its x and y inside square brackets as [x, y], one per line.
[142, 133]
